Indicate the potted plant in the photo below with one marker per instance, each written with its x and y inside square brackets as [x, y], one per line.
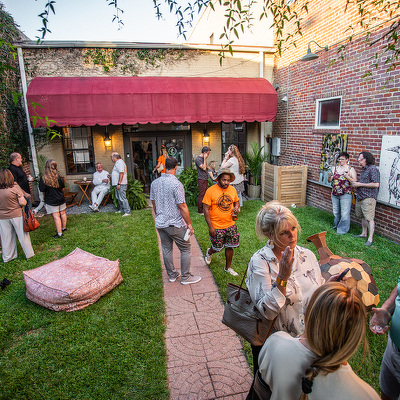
[254, 160]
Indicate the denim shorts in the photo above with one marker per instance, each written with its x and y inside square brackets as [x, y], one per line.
[228, 237]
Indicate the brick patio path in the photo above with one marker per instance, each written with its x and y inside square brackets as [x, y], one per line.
[205, 359]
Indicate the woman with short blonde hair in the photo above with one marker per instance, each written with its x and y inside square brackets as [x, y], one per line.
[281, 276]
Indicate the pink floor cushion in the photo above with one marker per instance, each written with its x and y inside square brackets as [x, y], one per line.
[73, 282]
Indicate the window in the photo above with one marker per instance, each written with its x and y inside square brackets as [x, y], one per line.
[234, 133]
[327, 114]
[78, 150]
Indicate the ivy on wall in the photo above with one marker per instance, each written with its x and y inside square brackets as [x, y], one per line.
[13, 128]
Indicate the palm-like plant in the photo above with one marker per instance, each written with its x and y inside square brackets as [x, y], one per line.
[254, 160]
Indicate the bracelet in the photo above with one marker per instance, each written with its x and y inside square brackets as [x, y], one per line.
[280, 282]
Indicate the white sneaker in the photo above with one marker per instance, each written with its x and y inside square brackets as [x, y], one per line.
[231, 271]
[207, 258]
[118, 212]
[176, 277]
[126, 214]
[93, 208]
[191, 279]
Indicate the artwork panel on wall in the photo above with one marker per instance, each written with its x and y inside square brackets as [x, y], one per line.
[332, 145]
[389, 167]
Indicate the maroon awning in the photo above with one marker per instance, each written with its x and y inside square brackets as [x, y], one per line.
[132, 100]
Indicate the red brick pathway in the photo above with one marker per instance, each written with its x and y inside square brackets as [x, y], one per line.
[205, 358]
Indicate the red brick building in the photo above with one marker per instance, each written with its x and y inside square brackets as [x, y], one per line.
[362, 114]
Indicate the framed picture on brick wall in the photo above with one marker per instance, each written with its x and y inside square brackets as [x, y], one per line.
[389, 168]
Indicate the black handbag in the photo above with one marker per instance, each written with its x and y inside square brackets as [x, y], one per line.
[242, 316]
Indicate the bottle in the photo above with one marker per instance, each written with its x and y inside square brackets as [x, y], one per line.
[234, 216]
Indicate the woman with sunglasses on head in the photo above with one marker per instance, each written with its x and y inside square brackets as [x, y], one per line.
[342, 194]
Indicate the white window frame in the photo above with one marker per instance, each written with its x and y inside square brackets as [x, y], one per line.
[317, 113]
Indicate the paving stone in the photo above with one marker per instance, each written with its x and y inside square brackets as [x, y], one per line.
[210, 301]
[191, 382]
[185, 350]
[230, 376]
[177, 305]
[207, 284]
[221, 345]
[209, 322]
[181, 325]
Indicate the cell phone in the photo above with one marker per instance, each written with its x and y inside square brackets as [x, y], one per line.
[341, 276]
[186, 237]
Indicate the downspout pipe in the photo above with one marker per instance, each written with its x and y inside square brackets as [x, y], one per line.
[30, 130]
[262, 124]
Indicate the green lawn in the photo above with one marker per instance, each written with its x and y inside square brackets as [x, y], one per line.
[382, 257]
[113, 349]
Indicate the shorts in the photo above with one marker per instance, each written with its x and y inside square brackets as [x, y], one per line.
[228, 237]
[54, 209]
[366, 208]
[389, 377]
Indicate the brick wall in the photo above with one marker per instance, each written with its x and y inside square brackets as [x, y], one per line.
[369, 109]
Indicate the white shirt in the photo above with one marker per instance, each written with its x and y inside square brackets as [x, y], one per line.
[234, 168]
[119, 167]
[98, 179]
[305, 279]
[283, 361]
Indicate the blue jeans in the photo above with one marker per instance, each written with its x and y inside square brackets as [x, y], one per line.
[122, 200]
[341, 206]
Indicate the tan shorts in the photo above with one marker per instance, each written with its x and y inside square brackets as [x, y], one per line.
[54, 209]
[366, 208]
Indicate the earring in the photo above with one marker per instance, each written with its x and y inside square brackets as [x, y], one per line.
[270, 243]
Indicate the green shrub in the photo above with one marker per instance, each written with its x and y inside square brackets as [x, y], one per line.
[188, 177]
[134, 194]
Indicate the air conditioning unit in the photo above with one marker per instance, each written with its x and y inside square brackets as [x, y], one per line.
[276, 147]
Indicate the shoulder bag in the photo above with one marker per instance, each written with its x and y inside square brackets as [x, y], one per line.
[160, 168]
[242, 316]
[30, 222]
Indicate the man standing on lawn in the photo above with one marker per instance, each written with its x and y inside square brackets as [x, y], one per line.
[20, 176]
[367, 189]
[389, 377]
[221, 206]
[202, 176]
[119, 179]
[172, 220]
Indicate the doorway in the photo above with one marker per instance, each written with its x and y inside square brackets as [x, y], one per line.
[143, 161]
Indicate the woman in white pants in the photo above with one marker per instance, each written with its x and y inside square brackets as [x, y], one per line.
[11, 220]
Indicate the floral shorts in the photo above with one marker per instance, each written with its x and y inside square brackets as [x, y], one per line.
[228, 237]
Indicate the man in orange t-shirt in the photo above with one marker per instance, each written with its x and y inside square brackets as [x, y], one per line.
[221, 206]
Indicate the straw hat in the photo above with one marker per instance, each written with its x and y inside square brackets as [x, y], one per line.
[227, 171]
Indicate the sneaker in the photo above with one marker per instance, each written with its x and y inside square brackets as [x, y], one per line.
[57, 236]
[191, 279]
[178, 274]
[126, 214]
[64, 230]
[93, 208]
[231, 271]
[118, 212]
[207, 258]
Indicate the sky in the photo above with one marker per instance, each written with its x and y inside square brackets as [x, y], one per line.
[91, 20]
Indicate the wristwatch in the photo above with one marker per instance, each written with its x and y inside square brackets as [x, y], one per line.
[280, 282]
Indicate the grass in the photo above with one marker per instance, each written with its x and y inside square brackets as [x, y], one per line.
[113, 349]
[382, 257]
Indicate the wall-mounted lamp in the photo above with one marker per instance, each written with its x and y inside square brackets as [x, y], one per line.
[107, 139]
[285, 98]
[310, 55]
[206, 137]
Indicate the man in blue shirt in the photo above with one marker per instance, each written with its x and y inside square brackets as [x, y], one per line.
[389, 377]
[172, 221]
